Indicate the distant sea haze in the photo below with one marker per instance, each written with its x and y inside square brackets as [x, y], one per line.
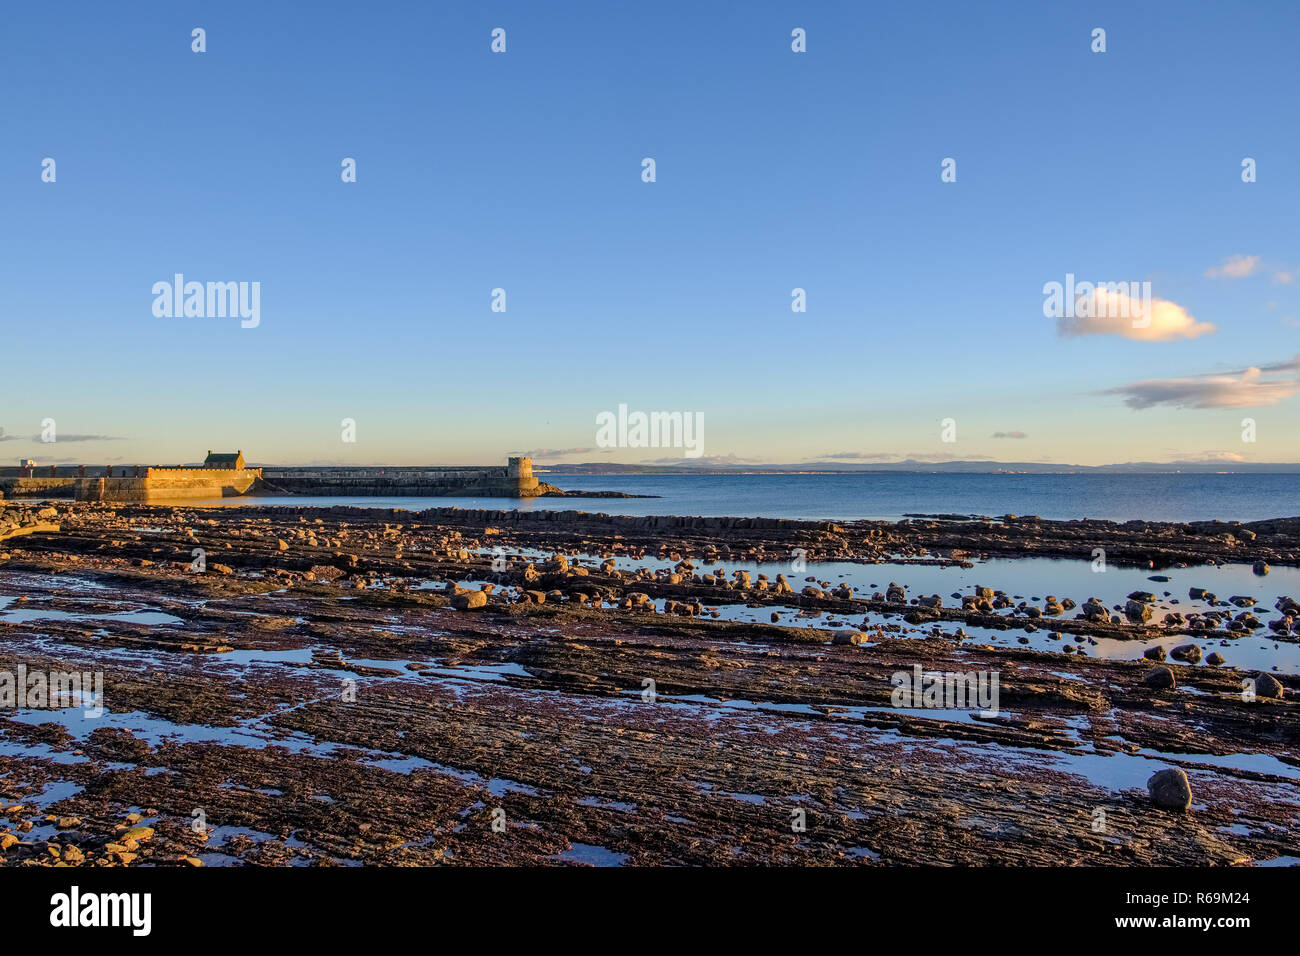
[890, 496]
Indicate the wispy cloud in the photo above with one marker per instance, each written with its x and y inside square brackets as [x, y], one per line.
[61, 437]
[857, 456]
[899, 458]
[946, 456]
[1284, 277]
[1109, 312]
[1234, 267]
[1215, 458]
[553, 452]
[1253, 387]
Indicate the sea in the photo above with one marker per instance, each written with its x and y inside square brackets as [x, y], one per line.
[892, 495]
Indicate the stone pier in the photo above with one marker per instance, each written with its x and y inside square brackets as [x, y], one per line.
[514, 480]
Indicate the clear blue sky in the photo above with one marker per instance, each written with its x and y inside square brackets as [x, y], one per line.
[522, 170]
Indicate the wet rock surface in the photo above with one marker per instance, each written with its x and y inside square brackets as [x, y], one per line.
[306, 686]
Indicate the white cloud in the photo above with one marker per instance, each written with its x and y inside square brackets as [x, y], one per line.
[1234, 267]
[1110, 312]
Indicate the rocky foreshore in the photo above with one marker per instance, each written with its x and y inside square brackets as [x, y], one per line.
[338, 685]
[18, 518]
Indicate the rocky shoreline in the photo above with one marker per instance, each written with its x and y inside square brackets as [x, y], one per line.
[343, 686]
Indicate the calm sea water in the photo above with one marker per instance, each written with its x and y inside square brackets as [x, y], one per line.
[1184, 497]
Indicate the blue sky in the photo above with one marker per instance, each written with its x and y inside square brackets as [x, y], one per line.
[522, 171]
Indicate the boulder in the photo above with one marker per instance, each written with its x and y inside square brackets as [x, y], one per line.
[1266, 685]
[1136, 611]
[1094, 610]
[1160, 677]
[466, 600]
[1170, 790]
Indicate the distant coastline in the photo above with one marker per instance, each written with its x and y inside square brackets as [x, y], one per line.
[922, 467]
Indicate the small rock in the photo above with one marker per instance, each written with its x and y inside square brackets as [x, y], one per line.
[138, 834]
[848, 636]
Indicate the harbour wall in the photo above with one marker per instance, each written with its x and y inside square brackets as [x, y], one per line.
[163, 484]
[13, 487]
[514, 480]
[133, 483]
